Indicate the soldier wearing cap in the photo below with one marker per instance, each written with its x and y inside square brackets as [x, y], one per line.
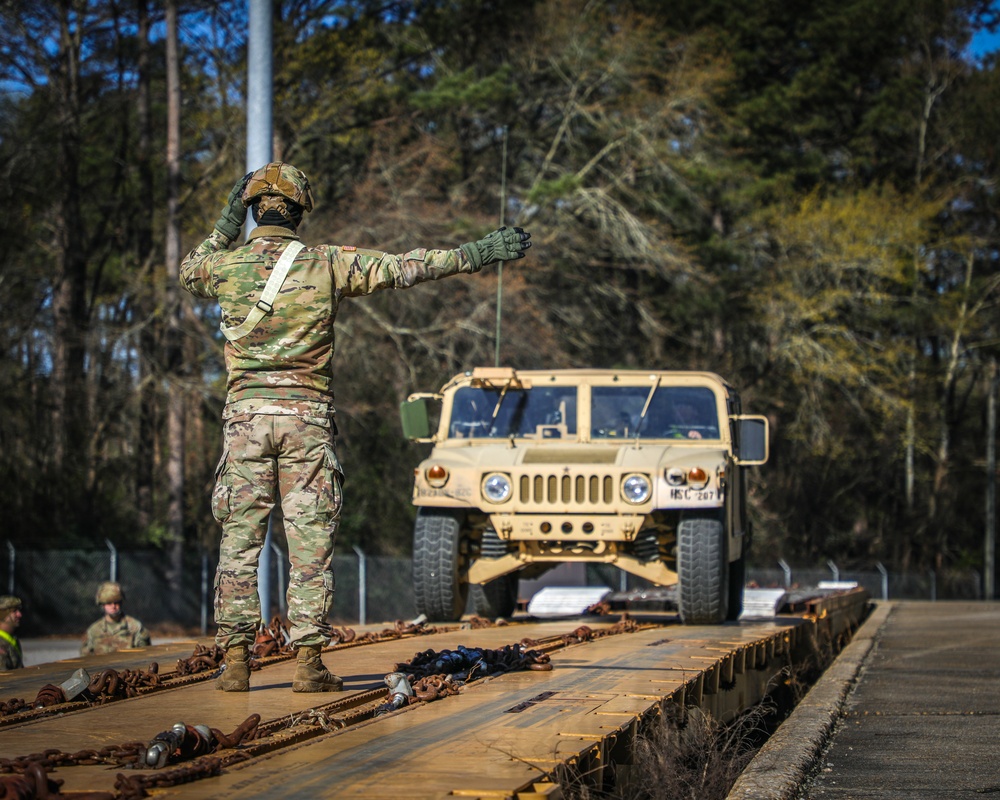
[115, 630]
[10, 646]
[279, 299]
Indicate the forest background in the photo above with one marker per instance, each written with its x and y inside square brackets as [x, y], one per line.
[800, 196]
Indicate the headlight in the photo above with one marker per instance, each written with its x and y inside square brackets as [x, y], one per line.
[635, 489]
[496, 487]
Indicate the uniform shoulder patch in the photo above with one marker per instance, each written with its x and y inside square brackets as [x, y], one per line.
[350, 248]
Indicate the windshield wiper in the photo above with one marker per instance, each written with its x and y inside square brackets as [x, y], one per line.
[645, 408]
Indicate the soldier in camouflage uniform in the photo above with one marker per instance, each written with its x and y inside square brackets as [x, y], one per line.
[278, 440]
[115, 630]
[10, 646]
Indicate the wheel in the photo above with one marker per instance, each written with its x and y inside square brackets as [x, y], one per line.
[702, 569]
[737, 577]
[498, 598]
[439, 592]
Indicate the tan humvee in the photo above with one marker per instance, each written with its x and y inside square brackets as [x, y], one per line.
[644, 470]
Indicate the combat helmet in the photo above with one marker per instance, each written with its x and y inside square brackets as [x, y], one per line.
[109, 592]
[9, 603]
[273, 185]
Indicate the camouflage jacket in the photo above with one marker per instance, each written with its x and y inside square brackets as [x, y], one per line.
[284, 364]
[10, 654]
[105, 636]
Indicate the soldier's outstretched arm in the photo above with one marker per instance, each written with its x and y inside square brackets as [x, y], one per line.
[358, 272]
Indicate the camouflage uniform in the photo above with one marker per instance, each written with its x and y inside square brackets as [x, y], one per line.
[10, 653]
[107, 636]
[10, 646]
[279, 429]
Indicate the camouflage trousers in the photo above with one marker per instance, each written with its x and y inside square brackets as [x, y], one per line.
[266, 457]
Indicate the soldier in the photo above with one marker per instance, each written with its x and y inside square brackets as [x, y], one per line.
[115, 630]
[10, 620]
[279, 429]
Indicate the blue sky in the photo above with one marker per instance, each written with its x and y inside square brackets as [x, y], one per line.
[985, 42]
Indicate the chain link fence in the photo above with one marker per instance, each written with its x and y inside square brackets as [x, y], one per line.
[58, 587]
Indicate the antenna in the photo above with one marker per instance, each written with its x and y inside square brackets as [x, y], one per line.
[503, 206]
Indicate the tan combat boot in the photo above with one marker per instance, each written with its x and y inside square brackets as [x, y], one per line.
[235, 675]
[311, 675]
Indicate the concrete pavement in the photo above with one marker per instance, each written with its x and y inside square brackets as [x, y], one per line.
[911, 709]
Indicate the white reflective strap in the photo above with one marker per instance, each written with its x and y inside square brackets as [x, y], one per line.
[266, 303]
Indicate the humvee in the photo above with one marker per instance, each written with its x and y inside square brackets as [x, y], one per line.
[641, 469]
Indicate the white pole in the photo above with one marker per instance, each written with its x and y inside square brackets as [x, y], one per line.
[280, 571]
[113, 570]
[362, 585]
[788, 572]
[259, 136]
[10, 568]
[204, 593]
[260, 128]
[885, 579]
[990, 545]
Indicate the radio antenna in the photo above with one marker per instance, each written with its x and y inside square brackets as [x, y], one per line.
[503, 206]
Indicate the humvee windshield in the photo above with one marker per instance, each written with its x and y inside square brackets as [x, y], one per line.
[673, 412]
[546, 413]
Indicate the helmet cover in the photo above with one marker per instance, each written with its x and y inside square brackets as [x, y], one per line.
[109, 592]
[271, 186]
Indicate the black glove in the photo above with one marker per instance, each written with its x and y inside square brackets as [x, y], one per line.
[505, 244]
[235, 213]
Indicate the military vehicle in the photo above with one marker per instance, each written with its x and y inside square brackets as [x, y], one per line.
[644, 470]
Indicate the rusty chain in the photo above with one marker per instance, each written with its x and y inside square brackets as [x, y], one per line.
[192, 752]
[271, 644]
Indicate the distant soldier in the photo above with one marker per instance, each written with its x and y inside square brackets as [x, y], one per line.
[279, 300]
[115, 630]
[10, 646]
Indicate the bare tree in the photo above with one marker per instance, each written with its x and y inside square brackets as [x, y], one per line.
[175, 400]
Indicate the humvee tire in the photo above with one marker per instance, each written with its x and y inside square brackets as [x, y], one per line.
[498, 598]
[437, 589]
[702, 569]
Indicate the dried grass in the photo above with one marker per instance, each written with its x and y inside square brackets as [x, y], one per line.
[684, 756]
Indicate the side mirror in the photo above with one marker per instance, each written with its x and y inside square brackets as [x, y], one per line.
[415, 417]
[752, 438]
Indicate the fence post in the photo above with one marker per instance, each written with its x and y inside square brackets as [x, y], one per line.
[833, 569]
[113, 566]
[885, 579]
[788, 572]
[204, 593]
[362, 584]
[10, 567]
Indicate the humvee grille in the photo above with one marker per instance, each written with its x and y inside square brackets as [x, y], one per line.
[566, 490]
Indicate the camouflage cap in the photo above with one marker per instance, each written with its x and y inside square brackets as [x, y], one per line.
[109, 592]
[278, 180]
[9, 603]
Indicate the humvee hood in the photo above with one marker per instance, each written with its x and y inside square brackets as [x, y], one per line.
[628, 456]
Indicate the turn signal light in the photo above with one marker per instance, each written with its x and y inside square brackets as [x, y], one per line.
[437, 475]
[697, 478]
